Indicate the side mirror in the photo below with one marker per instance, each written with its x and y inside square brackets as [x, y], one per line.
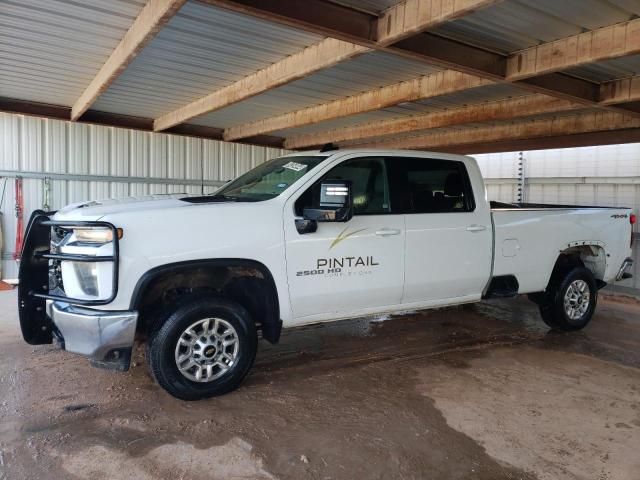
[335, 203]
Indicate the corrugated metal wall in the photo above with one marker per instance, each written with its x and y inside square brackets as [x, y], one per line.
[118, 163]
[605, 175]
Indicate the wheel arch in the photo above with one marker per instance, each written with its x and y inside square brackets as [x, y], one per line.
[247, 281]
[591, 255]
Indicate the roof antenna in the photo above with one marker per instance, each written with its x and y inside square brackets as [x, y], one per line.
[327, 147]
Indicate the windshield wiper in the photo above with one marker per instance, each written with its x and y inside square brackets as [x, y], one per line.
[210, 199]
[233, 198]
[224, 198]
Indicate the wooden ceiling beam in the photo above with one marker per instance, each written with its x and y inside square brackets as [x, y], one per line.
[447, 53]
[410, 17]
[154, 15]
[518, 130]
[321, 17]
[322, 55]
[485, 112]
[440, 83]
[625, 90]
[606, 43]
[398, 31]
[477, 63]
[590, 139]
[400, 21]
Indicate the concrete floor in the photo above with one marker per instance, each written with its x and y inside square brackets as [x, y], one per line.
[481, 392]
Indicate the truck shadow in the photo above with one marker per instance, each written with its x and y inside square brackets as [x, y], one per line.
[612, 335]
[429, 333]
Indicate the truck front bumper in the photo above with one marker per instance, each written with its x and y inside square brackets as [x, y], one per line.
[106, 338]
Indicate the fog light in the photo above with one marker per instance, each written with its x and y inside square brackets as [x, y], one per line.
[87, 274]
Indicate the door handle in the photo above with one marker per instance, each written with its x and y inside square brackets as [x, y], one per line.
[476, 228]
[387, 232]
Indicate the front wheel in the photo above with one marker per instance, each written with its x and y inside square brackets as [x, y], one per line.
[571, 303]
[204, 348]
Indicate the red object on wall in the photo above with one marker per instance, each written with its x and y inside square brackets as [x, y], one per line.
[20, 220]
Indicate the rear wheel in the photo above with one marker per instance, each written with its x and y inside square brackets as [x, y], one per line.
[570, 304]
[204, 348]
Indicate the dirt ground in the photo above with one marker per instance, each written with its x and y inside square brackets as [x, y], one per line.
[481, 392]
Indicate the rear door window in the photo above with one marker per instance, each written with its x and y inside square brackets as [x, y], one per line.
[424, 185]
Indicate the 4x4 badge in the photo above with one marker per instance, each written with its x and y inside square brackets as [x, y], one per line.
[343, 235]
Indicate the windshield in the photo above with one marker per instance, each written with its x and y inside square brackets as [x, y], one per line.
[270, 179]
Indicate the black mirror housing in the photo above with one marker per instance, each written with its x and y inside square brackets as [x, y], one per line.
[335, 202]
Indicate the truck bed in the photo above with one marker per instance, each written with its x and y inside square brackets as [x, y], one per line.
[528, 238]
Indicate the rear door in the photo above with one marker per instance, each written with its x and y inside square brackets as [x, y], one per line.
[448, 233]
[355, 266]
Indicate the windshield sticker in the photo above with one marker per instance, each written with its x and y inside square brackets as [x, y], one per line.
[296, 167]
[282, 185]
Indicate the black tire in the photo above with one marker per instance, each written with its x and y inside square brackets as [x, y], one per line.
[552, 304]
[163, 339]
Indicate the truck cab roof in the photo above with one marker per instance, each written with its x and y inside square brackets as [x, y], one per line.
[426, 154]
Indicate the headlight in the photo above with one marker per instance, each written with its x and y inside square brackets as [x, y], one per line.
[98, 236]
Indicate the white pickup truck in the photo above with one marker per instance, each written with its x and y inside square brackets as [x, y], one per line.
[309, 237]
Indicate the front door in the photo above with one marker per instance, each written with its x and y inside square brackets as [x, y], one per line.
[351, 267]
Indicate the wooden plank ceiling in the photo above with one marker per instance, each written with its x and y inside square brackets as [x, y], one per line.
[545, 105]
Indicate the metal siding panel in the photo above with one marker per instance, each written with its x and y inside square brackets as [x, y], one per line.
[211, 159]
[260, 155]
[31, 153]
[601, 161]
[243, 159]
[606, 194]
[228, 168]
[58, 194]
[78, 158]
[119, 154]
[99, 190]
[99, 150]
[32, 194]
[139, 189]
[157, 189]
[194, 158]
[10, 145]
[158, 156]
[139, 159]
[32, 144]
[119, 190]
[176, 160]
[77, 191]
[55, 150]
